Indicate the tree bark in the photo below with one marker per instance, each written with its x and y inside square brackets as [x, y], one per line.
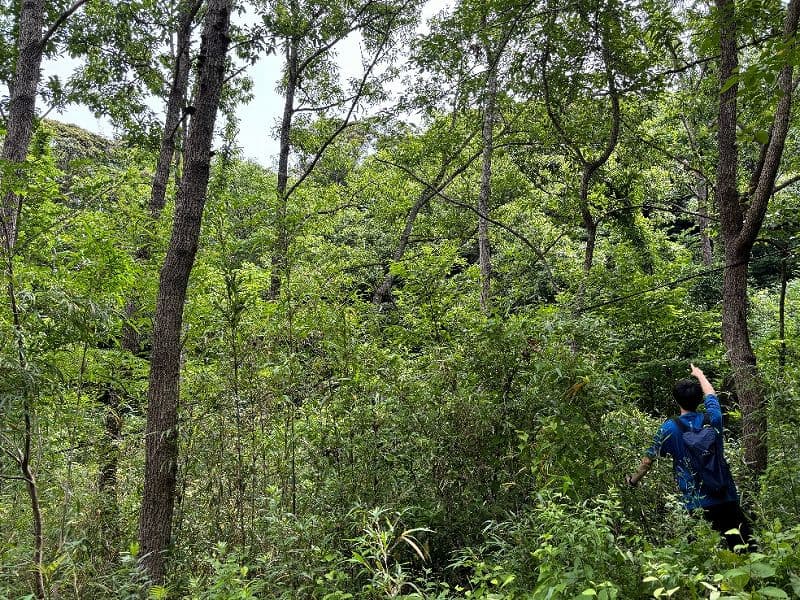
[736, 337]
[22, 105]
[176, 102]
[161, 436]
[741, 219]
[129, 340]
[279, 254]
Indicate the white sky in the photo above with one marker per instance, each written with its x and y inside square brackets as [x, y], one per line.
[259, 118]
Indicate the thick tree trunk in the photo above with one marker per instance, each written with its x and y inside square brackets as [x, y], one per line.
[280, 258]
[161, 437]
[484, 248]
[741, 222]
[22, 105]
[736, 337]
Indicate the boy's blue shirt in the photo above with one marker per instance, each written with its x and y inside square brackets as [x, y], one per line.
[669, 441]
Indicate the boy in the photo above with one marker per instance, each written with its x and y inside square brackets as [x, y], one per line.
[720, 504]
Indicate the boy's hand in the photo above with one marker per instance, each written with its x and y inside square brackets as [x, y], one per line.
[644, 467]
[696, 371]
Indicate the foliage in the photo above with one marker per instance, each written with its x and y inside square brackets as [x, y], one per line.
[334, 447]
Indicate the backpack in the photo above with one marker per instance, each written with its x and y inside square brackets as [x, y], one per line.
[706, 461]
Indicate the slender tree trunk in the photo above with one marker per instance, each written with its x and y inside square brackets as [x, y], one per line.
[589, 223]
[706, 250]
[33, 495]
[129, 341]
[176, 102]
[484, 248]
[782, 313]
[107, 479]
[161, 436]
[280, 258]
[22, 105]
[382, 292]
[431, 189]
[24, 455]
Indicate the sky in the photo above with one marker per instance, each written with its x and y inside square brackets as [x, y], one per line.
[258, 119]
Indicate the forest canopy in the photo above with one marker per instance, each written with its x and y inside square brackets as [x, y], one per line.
[415, 353]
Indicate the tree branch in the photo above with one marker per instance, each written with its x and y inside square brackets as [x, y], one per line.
[62, 18]
[540, 255]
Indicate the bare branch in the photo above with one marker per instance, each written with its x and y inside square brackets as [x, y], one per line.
[346, 121]
[784, 184]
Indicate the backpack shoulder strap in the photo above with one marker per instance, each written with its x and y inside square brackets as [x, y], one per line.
[706, 420]
[679, 424]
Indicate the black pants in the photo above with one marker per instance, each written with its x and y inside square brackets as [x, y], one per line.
[729, 515]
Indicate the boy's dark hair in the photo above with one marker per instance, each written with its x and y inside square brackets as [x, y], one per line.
[688, 394]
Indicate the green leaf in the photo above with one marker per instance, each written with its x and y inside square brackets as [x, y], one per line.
[732, 80]
[773, 592]
[738, 578]
[795, 581]
[761, 570]
[761, 136]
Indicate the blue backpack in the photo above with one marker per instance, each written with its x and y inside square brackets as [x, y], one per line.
[704, 450]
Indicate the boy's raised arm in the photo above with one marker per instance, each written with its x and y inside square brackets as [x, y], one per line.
[704, 383]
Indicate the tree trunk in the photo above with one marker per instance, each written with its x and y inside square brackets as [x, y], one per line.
[736, 336]
[161, 436]
[741, 222]
[22, 105]
[33, 495]
[382, 292]
[589, 224]
[484, 249]
[706, 250]
[782, 312]
[107, 479]
[129, 341]
[175, 107]
[19, 131]
[280, 257]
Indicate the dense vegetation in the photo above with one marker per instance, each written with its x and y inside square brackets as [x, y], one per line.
[417, 357]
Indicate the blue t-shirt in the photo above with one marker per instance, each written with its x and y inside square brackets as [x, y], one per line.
[669, 441]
